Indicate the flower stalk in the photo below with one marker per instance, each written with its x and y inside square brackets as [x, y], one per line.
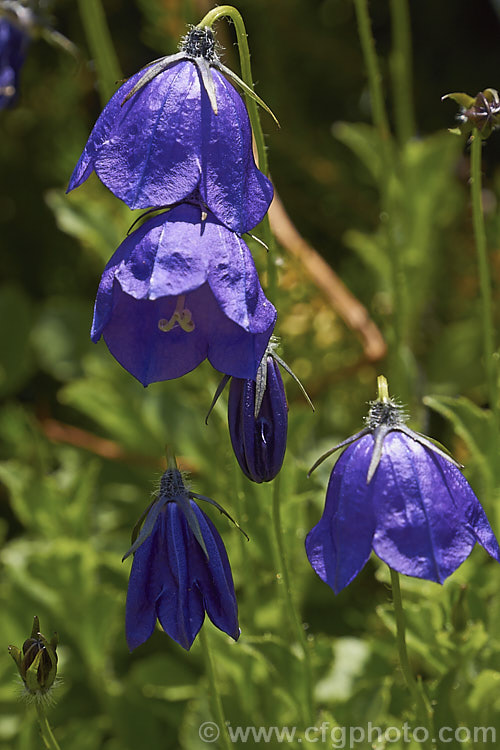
[293, 614]
[214, 689]
[484, 274]
[424, 710]
[48, 738]
[381, 123]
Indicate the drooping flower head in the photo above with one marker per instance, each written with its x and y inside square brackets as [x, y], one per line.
[179, 290]
[13, 45]
[176, 129]
[180, 569]
[394, 491]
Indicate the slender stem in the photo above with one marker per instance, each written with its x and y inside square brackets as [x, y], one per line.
[101, 47]
[401, 71]
[423, 708]
[484, 274]
[49, 740]
[253, 112]
[293, 615]
[214, 691]
[388, 211]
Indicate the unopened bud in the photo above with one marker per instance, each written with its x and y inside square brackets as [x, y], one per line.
[36, 661]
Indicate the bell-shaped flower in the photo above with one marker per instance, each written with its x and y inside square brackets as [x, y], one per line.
[394, 491]
[179, 290]
[13, 45]
[180, 128]
[180, 570]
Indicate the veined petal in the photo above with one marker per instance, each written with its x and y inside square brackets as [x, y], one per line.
[180, 606]
[214, 579]
[466, 501]
[339, 546]
[231, 184]
[147, 580]
[419, 530]
[147, 150]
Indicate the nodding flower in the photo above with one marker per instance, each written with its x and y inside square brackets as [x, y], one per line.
[179, 128]
[178, 290]
[395, 492]
[180, 569]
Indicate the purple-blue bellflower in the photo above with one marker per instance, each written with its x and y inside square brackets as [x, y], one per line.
[180, 570]
[394, 491]
[178, 290]
[176, 129]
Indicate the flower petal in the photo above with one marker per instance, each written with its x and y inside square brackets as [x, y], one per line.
[467, 502]
[180, 606]
[419, 530]
[231, 184]
[339, 546]
[147, 580]
[147, 151]
[214, 579]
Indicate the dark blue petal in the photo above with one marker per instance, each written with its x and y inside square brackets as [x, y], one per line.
[147, 152]
[180, 607]
[231, 185]
[469, 506]
[420, 530]
[339, 546]
[214, 579]
[147, 580]
[259, 443]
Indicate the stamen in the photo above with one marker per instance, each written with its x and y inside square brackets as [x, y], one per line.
[181, 317]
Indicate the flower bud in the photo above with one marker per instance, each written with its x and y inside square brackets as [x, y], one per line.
[259, 431]
[36, 661]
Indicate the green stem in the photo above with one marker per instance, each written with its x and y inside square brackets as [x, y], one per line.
[401, 71]
[214, 690]
[253, 112]
[388, 212]
[484, 274]
[293, 615]
[423, 708]
[48, 738]
[101, 47]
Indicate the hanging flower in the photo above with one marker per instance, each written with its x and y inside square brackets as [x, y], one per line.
[179, 290]
[13, 45]
[180, 570]
[394, 491]
[176, 129]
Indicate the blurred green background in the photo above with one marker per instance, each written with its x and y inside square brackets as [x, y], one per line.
[82, 443]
